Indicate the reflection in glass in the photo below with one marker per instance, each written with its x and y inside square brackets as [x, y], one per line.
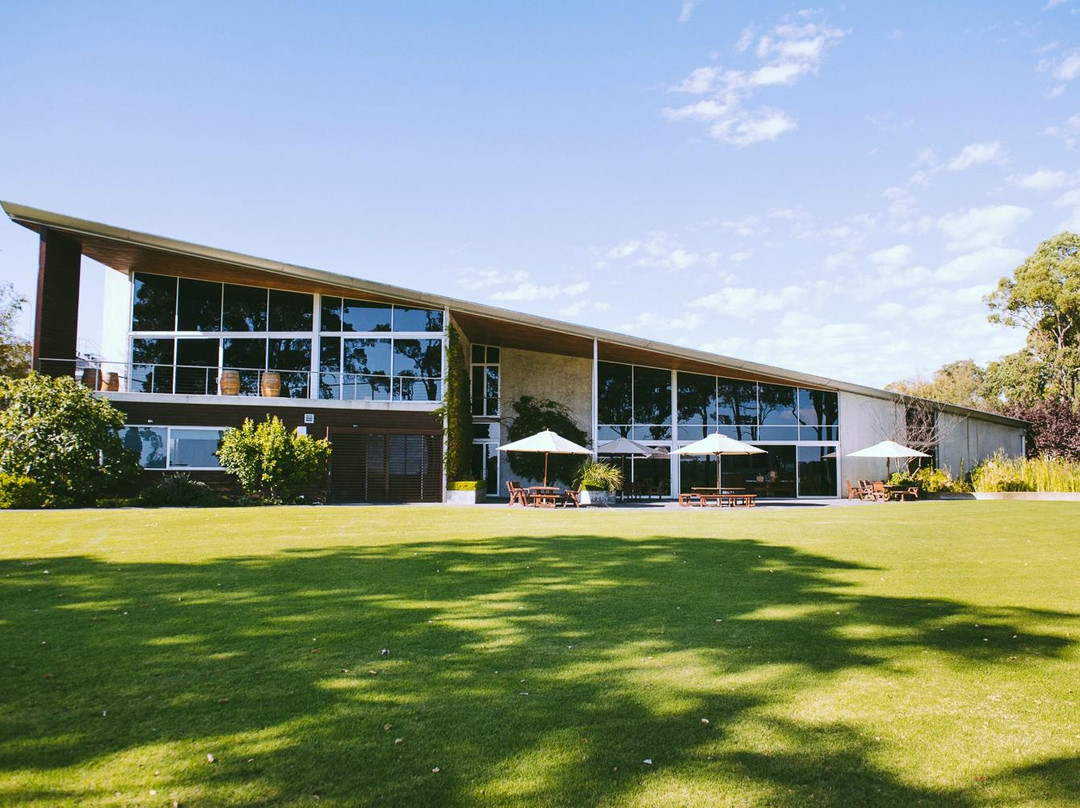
[196, 366]
[778, 404]
[359, 315]
[652, 396]
[407, 319]
[199, 306]
[367, 368]
[292, 358]
[243, 308]
[697, 405]
[736, 402]
[154, 303]
[290, 311]
[149, 443]
[330, 318]
[248, 356]
[419, 359]
[821, 409]
[615, 393]
[152, 365]
[194, 448]
[817, 473]
[785, 433]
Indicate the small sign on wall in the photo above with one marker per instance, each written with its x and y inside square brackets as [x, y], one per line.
[309, 417]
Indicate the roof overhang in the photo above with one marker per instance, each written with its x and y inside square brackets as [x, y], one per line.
[133, 251]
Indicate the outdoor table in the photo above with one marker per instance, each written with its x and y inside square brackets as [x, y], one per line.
[544, 495]
[901, 491]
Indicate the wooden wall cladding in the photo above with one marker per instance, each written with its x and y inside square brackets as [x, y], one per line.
[56, 317]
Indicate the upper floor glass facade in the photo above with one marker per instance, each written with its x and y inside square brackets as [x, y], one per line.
[208, 338]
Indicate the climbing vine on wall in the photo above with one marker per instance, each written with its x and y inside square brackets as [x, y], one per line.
[457, 409]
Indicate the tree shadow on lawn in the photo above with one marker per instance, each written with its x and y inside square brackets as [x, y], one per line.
[527, 670]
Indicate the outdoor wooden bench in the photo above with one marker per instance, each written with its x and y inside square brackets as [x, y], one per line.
[688, 499]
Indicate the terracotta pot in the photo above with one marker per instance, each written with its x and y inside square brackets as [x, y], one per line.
[229, 383]
[271, 383]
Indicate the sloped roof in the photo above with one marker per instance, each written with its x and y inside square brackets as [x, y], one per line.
[129, 250]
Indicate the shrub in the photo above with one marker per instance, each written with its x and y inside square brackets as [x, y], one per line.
[20, 491]
[929, 479]
[55, 431]
[179, 491]
[531, 415]
[999, 473]
[270, 461]
[599, 475]
[467, 485]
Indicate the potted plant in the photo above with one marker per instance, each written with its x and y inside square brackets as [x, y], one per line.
[465, 492]
[598, 480]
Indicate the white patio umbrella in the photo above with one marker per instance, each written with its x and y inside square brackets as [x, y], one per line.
[719, 445]
[888, 449]
[547, 442]
[624, 447]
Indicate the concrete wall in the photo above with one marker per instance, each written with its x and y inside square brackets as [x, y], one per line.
[565, 379]
[865, 421]
[965, 442]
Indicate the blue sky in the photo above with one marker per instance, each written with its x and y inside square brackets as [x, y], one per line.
[830, 189]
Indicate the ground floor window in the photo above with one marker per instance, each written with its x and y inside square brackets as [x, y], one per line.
[381, 467]
[174, 447]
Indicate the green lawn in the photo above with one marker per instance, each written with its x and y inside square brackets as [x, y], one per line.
[917, 654]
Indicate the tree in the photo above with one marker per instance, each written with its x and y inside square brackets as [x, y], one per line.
[1054, 430]
[56, 432]
[270, 461]
[14, 350]
[961, 383]
[533, 415]
[1044, 296]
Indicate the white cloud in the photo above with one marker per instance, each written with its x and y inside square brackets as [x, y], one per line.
[657, 322]
[894, 258]
[977, 154]
[687, 9]
[979, 228]
[746, 39]
[1068, 68]
[989, 262]
[528, 290]
[790, 51]
[1041, 180]
[1070, 199]
[1054, 3]
[746, 302]
[658, 251]
[486, 278]
[1069, 131]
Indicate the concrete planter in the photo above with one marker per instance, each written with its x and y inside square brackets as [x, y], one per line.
[465, 497]
[596, 497]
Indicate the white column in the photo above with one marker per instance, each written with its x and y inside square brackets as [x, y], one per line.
[672, 457]
[594, 426]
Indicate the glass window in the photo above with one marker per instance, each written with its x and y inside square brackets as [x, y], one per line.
[367, 367]
[652, 396]
[196, 366]
[817, 473]
[818, 407]
[331, 314]
[421, 359]
[785, 433]
[330, 365]
[492, 355]
[194, 448]
[491, 393]
[697, 401]
[248, 356]
[292, 358]
[152, 365]
[408, 319]
[736, 402]
[478, 399]
[359, 315]
[149, 443]
[244, 308]
[153, 305]
[198, 306]
[779, 404]
[478, 354]
[615, 394]
[290, 311]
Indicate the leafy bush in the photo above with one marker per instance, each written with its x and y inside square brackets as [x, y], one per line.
[270, 461]
[55, 431]
[999, 473]
[20, 491]
[531, 415]
[599, 475]
[179, 491]
[929, 479]
[467, 485]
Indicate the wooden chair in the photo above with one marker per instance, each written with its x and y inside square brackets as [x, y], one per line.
[571, 496]
[878, 492]
[854, 492]
[517, 493]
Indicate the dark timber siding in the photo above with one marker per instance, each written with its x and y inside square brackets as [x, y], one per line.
[377, 455]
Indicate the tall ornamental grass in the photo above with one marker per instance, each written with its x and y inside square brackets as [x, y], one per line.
[999, 473]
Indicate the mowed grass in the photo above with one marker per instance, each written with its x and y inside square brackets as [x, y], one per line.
[916, 654]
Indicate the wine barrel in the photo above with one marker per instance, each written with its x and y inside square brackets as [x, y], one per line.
[91, 378]
[110, 382]
[229, 383]
[271, 383]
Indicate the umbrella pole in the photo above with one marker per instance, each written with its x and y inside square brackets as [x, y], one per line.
[545, 469]
[718, 472]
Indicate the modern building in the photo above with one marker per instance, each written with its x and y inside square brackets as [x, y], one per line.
[195, 339]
